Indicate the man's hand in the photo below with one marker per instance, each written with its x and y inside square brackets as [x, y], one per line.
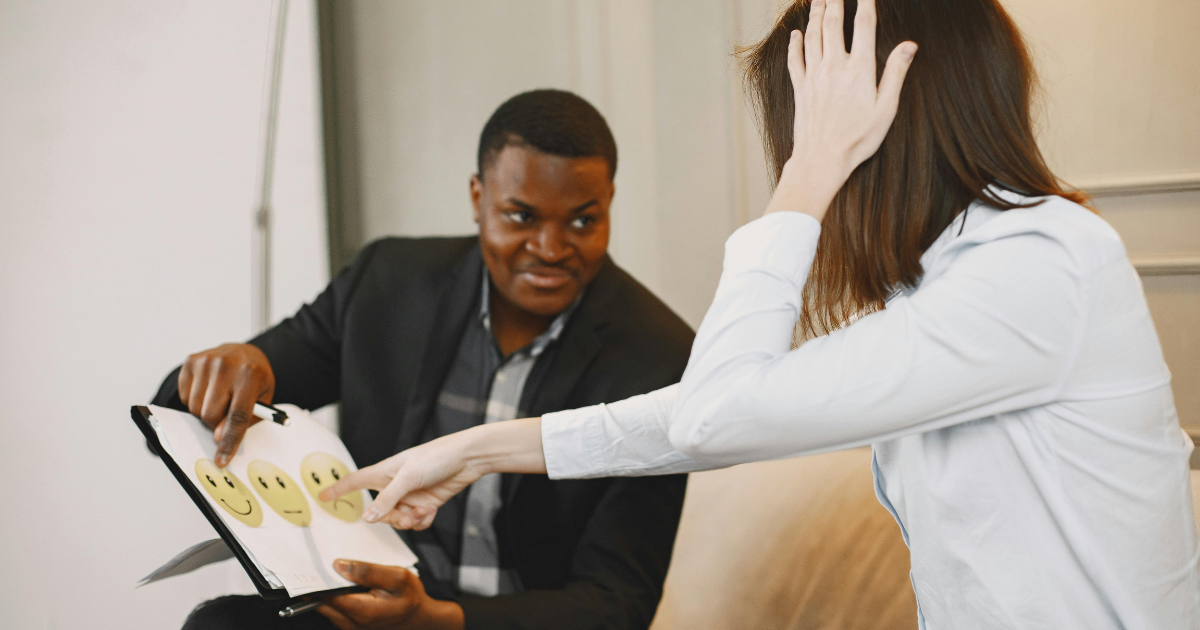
[220, 386]
[397, 601]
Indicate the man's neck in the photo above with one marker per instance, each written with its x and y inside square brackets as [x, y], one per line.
[513, 326]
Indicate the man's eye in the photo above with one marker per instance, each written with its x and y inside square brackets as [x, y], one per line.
[520, 216]
[582, 222]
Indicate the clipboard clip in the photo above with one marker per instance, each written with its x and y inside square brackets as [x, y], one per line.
[272, 413]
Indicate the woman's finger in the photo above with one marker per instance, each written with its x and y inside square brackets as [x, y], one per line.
[795, 59]
[426, 521]
[832, 40]
[403, 516]
[812, 35]
[894, 72]
[863, 48]
[369, 478]
[387, 499]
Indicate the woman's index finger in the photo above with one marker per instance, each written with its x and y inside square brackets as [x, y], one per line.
[363, 479]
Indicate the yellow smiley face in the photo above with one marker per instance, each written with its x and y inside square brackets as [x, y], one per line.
[321, 470]
[280, 492]
[229, 492]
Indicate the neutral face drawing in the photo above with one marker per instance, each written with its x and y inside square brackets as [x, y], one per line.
[321, 470]
[229, 492]
[280, 492]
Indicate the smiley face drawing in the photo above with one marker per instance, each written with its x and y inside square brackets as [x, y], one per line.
[229, 492]
[321, 470]
[280, 492]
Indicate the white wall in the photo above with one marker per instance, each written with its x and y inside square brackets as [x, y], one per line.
[128, 172]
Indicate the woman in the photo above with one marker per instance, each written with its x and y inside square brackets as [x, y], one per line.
[1013, 387]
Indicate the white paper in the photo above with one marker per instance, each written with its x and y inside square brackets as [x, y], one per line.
[300, 557]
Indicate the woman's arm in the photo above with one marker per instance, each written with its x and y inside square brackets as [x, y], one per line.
[414, 483]
[842, 116]
[996, 332]
[624, 438]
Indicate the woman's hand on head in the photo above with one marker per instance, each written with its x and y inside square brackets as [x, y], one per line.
[842, 116]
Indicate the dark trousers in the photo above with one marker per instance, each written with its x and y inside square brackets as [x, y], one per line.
[250, 612]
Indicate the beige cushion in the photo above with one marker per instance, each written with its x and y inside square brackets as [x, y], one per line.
[799, 543]
[1195, 497]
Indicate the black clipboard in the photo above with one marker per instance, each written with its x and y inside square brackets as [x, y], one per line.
[141, 417]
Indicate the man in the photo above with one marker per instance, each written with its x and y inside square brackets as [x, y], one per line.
[419, 338]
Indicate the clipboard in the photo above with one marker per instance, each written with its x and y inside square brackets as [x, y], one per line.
[288, 545]
[141, 417]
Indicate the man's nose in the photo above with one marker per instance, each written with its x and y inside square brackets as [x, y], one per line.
[549, 244]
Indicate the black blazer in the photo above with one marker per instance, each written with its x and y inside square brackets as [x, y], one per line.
[381, 338]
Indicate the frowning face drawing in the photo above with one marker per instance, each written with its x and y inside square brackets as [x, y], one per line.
[280, 492]
[321, 470]
[229, 492]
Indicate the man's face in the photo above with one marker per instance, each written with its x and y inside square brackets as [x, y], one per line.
[543, 225]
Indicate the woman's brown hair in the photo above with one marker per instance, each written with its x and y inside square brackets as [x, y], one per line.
[963, 124]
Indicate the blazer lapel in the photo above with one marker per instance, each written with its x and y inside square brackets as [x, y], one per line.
[550, 384]
[457, 296]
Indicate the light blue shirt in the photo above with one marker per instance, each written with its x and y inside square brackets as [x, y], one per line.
[1023, 425]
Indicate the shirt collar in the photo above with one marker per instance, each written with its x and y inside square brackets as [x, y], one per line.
[552, 333]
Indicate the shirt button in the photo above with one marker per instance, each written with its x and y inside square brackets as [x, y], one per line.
[501, 377]
[472, 531]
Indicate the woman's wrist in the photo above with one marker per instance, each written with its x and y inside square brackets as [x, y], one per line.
[514, 446]
[806, 186]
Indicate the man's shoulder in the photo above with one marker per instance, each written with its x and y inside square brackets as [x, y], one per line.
[638, 322]
[392, 266]
[417, 254]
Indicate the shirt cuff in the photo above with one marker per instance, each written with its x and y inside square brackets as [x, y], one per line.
[569, 443]
[781, 243]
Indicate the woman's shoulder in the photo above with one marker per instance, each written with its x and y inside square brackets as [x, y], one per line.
[1053, 224]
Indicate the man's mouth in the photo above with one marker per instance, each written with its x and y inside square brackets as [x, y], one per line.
[548, 278]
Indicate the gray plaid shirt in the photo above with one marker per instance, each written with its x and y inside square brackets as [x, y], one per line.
[482, 386]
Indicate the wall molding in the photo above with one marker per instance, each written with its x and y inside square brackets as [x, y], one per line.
[1167, 265]
[1140, 184]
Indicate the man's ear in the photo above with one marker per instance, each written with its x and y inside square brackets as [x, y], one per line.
[476, 195]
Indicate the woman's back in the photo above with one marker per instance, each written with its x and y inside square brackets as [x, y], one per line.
[1081, 500]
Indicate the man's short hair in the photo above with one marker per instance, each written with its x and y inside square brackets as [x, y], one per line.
[551, 121]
